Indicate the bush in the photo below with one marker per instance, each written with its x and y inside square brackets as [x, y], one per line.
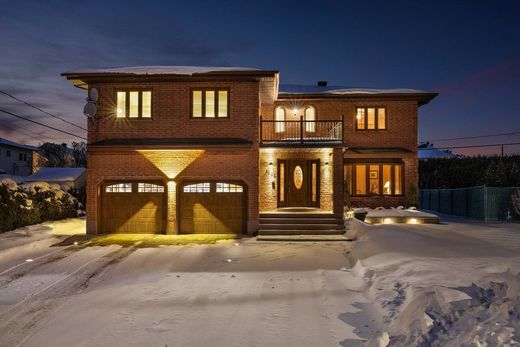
[35, 203]
[412, 197]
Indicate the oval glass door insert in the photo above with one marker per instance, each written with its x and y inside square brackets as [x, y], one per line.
[298, 177]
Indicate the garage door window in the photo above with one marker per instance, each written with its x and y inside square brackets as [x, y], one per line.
[119, 188]
[197, 188]
[229, 188]
[149, 188]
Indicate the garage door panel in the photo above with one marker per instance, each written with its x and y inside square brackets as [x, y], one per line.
[211, 212]
[133, 212]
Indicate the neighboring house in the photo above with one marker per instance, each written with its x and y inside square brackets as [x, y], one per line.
[219, 150]
[17, 159]
[67, 178]
[427, 151]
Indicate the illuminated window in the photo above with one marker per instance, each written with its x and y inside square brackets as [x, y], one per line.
[121, 104]
[279, 117]
[360, 118]
[147, 105]
[197, 104]
[149, 188]
[310, 117]
[134, 104]
[387, 179]
[361, 180]
[370, 118]
[381, 118]
[197, 188]
[119, 188]
[374, 178]
[229, 188]
[222, 103]
[209, 103]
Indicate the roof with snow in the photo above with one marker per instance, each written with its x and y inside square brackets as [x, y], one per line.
[170, 70]
[18, 145]
[430, 152]
[57, 174]
[291, 91]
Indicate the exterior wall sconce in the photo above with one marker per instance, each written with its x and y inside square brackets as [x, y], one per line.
[295, 111]
[270, 163]
[327, 163]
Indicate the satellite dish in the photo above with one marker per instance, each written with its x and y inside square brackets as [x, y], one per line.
[90, 109]
[93, 95]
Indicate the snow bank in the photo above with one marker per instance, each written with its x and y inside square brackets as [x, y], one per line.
[436, 287]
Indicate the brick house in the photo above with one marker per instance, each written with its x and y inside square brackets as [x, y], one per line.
[220, 150]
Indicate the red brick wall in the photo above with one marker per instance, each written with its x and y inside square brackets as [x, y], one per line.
[401, 120]
[171, 119]
[221, 164]
[171, 113]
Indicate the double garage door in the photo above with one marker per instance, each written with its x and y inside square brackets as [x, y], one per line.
[203, 207]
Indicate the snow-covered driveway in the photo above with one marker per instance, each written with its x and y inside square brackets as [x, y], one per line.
[410, 286]
[232, 294]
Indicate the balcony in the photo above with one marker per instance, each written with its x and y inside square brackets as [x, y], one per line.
[301, 131]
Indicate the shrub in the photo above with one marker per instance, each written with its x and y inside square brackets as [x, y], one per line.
[412, 197]
[34, 203]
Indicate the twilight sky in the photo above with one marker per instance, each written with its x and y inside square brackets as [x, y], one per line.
[468, 51]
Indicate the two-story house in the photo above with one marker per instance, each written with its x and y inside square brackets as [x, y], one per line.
[17, 159]
[229, 150]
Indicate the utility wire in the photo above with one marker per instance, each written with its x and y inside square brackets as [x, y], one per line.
[474, 137]
[39, 109]
[474, 146]
[29, 133]
[42, 124]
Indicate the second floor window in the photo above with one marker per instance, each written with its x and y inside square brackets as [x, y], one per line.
[310, 119]
[279, 116]
[209, 103]
[370, 118]
[134, 104]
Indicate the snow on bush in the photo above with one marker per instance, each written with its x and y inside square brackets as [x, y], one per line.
[33, 203]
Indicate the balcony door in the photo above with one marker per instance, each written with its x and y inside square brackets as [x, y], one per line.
[298, 183]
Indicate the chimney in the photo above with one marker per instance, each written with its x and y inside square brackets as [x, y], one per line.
[322, 83]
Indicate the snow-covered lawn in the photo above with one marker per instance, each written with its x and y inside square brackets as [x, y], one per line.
[410, 285]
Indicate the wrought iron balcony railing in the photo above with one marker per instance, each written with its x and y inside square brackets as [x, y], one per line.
[301, 131]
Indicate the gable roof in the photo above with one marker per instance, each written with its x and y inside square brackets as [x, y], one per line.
[18, 145]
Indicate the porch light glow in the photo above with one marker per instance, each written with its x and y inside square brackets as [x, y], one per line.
[388, 221]
[412, 221]
[171, 162]
[295, 111]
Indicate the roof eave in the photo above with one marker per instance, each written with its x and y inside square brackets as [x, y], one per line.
[422, 98]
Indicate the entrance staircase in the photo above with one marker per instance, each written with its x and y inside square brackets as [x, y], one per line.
[301, 224]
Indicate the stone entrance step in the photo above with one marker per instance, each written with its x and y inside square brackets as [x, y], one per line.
[290, 222]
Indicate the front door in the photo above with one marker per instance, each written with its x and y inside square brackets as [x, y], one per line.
[298, 182]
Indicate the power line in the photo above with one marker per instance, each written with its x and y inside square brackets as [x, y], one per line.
[42, 124]
[43, 111]
[476, 136]
[30, 134]
[475, 146]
